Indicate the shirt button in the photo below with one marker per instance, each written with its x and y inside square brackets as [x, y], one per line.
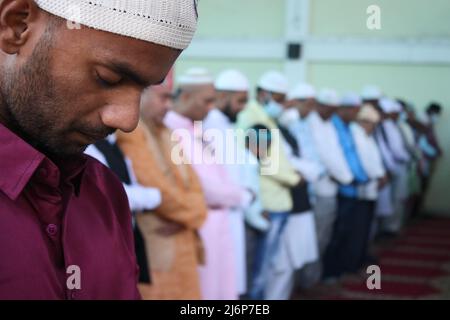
[52, 229]
[73, 295]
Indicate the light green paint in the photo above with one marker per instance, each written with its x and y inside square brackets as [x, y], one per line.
[399, 18]
[248, 18]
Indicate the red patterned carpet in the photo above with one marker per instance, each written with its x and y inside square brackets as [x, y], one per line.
[416, 265]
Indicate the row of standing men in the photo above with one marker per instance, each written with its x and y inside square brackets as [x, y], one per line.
[324, 174]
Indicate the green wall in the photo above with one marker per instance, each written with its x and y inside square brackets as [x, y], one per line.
[401, 20]
[246, 18]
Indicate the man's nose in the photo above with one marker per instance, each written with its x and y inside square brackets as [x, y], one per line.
[121, 116]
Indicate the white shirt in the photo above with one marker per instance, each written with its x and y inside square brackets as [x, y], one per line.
[331, 154]
[233, 156]
[140, 198]
[308, 168]
[395, 141]
[371, 160]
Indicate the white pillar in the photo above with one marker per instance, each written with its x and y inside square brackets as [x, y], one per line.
[297, 30]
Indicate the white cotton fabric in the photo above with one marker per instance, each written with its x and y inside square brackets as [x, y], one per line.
[170, 23]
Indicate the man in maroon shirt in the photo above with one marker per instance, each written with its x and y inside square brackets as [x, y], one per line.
[65, 225]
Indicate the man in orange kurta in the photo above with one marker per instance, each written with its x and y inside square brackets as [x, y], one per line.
[170, 231]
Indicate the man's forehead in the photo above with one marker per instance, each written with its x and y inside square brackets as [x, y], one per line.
[138, 59]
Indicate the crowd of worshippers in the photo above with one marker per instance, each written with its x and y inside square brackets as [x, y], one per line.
[349, 168]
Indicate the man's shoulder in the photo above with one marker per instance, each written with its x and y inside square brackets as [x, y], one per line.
[102, 183]
[99, 174]
[253, 114]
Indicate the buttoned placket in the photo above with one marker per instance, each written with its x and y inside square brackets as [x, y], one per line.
[57, 197]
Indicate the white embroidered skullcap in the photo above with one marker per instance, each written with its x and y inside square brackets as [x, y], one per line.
[390, 106]
[328, 97]
[274, 81]
[195, 76]
[232, 80]
[369, 113]
[371, 92]
[302, 91]
[351, 99]
[170, 23]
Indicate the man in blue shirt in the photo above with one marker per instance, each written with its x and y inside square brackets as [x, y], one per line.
[346, 251]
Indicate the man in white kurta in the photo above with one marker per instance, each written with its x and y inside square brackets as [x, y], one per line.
[393, 141]
[298, 244]
[372, 163]
[332, 157]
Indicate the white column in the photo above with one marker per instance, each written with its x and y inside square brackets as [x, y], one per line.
[297, 30]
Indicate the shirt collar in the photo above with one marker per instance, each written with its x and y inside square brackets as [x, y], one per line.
[19, 161]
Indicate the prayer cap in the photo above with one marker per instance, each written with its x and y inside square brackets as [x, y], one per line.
[328, 97]
[232, 80]
[390, 106]
[302, 91]
[351, 99]
[195, 76]
[274, 81]
[171, 23]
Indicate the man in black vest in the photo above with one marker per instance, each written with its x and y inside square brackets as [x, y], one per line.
[140, 198]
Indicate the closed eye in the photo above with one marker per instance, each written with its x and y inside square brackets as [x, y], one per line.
[107, 78]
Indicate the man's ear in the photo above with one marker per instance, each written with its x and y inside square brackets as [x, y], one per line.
[15, 19]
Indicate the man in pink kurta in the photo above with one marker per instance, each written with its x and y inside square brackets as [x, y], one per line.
[195, 99]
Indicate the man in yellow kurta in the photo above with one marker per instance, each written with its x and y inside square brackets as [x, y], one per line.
[170, 231]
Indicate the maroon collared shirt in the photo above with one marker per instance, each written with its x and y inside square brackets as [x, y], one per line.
[62, 226]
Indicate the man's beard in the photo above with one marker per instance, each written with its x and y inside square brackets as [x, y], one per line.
[34, 110]
[232, 116]
[28, 100]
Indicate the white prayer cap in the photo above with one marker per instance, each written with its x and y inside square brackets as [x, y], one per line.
[390, 106]
[371, 92]
[195, 76]
[170, 23]
[369, 113]
[328, 97]
[302, 91]
[232, 80]
[351, 99]
[274, 81]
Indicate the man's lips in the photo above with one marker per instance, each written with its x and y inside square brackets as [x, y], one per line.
[92, 137]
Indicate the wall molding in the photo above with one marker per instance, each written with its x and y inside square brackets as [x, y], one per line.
[316, 49]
